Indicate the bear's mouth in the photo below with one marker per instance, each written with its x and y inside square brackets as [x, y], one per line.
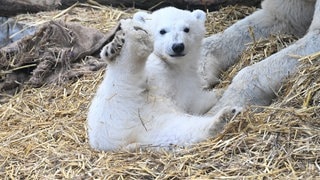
[177, 55]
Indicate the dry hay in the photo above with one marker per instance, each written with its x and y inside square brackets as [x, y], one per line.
[43, 130]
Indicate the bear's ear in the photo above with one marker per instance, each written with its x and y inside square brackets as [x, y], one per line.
[200, 15]
[141, 17]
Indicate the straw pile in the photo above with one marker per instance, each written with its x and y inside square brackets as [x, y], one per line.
[43, 130]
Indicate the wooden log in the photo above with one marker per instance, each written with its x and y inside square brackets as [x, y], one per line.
[183, 4]
[14, 7]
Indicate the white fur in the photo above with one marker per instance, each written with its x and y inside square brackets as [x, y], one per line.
[125, 113]
[222, 50]
[177, 77]
[259, 83]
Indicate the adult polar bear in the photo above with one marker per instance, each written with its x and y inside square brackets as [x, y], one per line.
[258, 83]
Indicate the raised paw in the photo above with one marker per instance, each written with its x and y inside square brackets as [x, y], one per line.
[138, 36]
[113, 48]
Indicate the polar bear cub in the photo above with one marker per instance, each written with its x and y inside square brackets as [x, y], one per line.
[125, 113]
[172, 68]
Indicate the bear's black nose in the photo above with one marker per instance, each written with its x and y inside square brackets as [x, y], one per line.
[178, 48]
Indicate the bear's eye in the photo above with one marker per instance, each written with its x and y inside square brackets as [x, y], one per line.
[186, 30]
[162, 31]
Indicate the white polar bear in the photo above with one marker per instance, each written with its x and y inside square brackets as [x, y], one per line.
[259, 83]
[173, 65]
[125, 113]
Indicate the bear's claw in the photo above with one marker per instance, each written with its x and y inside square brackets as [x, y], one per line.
[112, 49]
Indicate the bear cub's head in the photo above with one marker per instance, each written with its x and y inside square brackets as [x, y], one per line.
[177, 33]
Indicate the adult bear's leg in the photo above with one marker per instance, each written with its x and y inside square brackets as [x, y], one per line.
[259, 83]
[223, 49]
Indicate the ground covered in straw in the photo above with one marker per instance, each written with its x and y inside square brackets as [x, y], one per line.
[43, 130]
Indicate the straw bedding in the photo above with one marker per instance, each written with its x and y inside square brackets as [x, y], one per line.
[43, 130]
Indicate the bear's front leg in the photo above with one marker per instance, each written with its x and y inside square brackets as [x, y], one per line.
[258, 84]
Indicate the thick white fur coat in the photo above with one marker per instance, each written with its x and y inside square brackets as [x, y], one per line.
[125, 113]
